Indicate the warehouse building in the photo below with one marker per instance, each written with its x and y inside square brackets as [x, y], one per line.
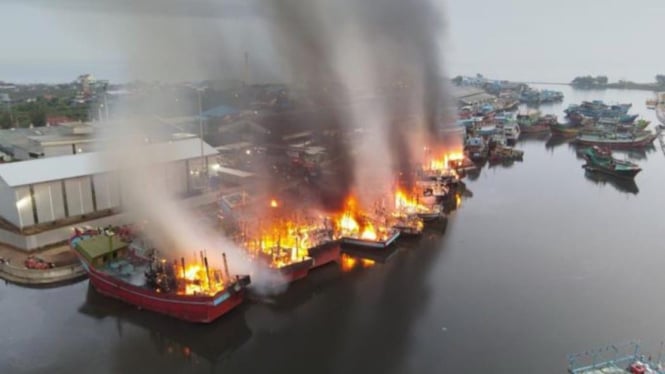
[42, 199]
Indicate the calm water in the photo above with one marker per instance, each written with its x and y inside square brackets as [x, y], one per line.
[542, 261]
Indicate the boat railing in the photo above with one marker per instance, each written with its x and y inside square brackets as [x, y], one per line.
[613, 356]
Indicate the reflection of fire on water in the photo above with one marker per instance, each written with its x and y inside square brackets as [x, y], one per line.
[349, 263]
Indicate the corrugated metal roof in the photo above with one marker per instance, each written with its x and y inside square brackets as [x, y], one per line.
[64, 167]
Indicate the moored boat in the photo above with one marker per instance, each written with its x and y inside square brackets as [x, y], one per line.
[511, 131]
[601, 160]
[564, 130]
[192, 292]
[635, 139]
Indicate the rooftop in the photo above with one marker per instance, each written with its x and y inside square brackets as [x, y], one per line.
[98, 246]
[65, 167]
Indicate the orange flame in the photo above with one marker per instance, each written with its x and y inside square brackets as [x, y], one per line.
[197, 282]
[405, 206]
[353, 222]
[443, 162]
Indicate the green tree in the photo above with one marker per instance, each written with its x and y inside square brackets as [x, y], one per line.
[601, 79]
[5, 120]
[38, 117]
[660, 79]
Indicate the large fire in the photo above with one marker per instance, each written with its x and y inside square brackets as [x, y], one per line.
[355, 223]
[407, 205]
[195, 279]
[443, 162]
[285, 241]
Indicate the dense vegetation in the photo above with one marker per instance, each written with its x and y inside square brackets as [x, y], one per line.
[601, 81]
[35, 108]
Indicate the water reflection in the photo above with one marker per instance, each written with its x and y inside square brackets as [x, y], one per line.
[636, 154]
[176, 339]
[299, 293]
[556, 141]
[622, 185]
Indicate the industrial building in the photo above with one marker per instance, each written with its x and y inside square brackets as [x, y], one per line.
[42, 199]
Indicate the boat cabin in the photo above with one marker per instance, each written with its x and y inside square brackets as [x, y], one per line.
[100, 250]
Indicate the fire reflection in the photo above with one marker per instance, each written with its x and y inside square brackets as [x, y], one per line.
[349, 263]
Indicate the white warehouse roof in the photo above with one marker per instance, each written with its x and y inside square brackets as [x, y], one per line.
[64, 167]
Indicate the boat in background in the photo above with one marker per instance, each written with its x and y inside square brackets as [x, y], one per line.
[511, 131]
[601, 160]
[564, 130]
[651, 103]
[618, 140]
[120, 269]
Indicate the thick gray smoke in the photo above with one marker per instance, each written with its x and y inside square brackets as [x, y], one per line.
[385, 50]
[383, 55]
[372, 64]
[149, 195]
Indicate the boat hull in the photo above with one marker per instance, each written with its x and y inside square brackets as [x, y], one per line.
[626, 174]
[199, 309]
[296, 271]
[617, 144]
[324, 254]
[371, 244]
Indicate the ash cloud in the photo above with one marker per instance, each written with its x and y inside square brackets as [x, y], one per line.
[388, 50]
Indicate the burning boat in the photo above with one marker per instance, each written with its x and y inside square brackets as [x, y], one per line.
[323, 246]
[193, 292]
[406, 224]
[360, 229]
[282, 247]
[424, 208]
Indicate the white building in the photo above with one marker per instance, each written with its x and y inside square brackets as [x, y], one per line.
[42, 199]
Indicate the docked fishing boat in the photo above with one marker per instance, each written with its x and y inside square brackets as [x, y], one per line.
[651, 103]
[601, 160]
[193, 292]
[511, 131]
[533, 123]
[323, 247]
[504, 154]
[618, 140]
[383, 241]
[425, 207]
[564, 130]
[637, 125]
[408, 224]
[476, 148]
[360, 229]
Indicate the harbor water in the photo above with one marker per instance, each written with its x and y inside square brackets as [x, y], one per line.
[541, 261]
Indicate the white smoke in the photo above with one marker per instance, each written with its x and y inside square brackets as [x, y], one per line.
[148, 197]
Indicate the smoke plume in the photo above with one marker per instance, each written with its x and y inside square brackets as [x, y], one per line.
[385, 56]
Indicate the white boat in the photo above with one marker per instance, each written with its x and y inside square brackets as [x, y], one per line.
[511, 131]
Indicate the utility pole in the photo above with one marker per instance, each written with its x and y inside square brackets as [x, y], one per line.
[203, 159]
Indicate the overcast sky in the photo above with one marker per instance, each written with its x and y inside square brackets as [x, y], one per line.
[514, 39]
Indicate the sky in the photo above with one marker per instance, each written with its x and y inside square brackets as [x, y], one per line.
[527, 40]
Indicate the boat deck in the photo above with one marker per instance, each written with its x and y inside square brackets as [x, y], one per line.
[131, 272]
